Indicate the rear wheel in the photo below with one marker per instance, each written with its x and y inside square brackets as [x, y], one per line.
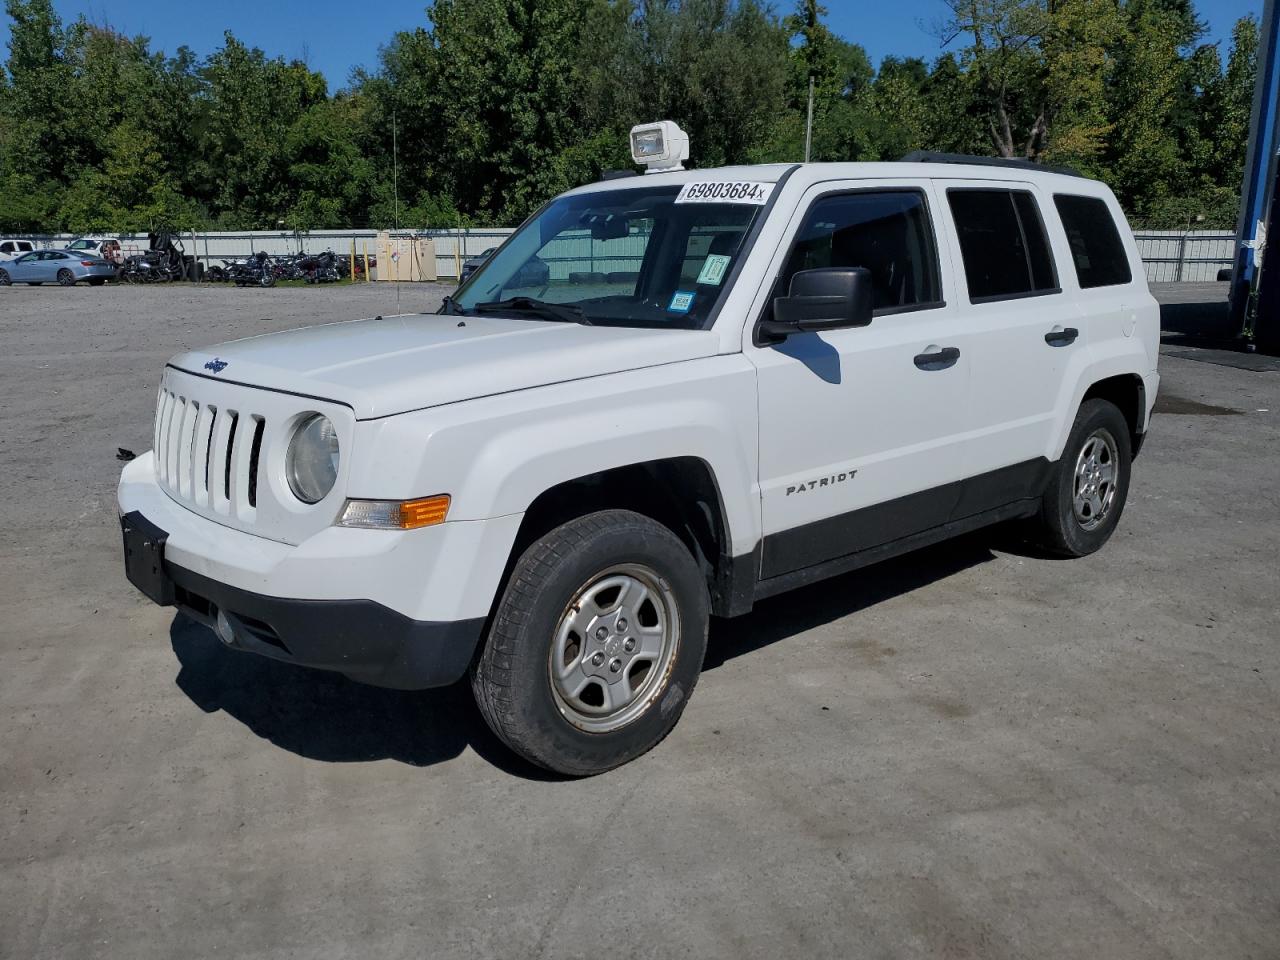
[66, 278]
[1085, 497]
[4, 278]
[596, 645]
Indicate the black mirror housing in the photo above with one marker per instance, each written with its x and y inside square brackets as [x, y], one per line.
[828, 298]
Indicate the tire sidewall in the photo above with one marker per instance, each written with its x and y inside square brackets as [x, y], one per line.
[553, 740]
[1093, 415]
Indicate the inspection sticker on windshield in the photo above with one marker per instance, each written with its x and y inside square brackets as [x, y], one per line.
[681, 301]
[713, 269]
[725, 191]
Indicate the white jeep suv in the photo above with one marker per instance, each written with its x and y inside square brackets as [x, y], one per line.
[727, 383]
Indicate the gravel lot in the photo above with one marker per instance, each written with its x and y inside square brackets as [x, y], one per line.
[971, 752]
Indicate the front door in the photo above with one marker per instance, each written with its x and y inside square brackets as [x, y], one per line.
[860, 428]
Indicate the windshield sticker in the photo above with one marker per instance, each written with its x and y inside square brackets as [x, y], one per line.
[713, 269]
[725, 191]
[681, 301]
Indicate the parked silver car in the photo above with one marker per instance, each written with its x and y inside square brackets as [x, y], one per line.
[65, 267]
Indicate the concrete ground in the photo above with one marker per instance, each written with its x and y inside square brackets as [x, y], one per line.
[972, 752]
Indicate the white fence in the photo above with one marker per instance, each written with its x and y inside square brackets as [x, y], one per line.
[1168, 255]
[1193, 256]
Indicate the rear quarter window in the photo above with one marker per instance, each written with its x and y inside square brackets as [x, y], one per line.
[1096, 249]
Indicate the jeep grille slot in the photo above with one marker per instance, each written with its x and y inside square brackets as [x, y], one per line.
[208, 457]
[229, 459]
[254, 453]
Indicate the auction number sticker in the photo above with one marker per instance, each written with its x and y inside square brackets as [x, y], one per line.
[726, 191]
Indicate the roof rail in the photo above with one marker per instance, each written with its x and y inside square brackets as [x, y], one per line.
[933, 156]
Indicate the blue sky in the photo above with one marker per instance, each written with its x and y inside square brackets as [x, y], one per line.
[335, 35]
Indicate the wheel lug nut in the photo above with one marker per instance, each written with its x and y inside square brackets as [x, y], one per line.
[622, 624]
[615, 665]
[597, 659]
[629, 645]
[601, 632]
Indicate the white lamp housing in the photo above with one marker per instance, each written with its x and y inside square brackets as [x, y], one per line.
[660, 146]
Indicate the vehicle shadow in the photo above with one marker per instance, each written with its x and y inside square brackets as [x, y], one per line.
[1194, 323]
[789, 614]
[324, 716]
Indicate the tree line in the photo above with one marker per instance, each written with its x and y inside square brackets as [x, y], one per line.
[493, 106]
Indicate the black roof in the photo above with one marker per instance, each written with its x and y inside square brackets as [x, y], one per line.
[933, 156]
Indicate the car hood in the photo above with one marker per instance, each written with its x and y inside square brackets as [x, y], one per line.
[390, 365]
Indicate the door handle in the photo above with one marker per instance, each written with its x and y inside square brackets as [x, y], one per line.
[937, 358]
[1058, 337]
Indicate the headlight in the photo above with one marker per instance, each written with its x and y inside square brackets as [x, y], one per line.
[311, 464]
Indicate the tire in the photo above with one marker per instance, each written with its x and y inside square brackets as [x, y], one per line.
[1096, 462]
[5, 280]
[66, 278]
[560, 610]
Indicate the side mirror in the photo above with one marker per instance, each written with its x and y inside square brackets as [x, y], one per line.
[829, 298]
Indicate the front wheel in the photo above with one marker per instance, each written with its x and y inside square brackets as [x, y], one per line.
[66, 278]
[1087, 493]
[596, 645]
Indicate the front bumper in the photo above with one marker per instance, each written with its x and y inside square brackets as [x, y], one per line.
[358, 638]
[398, 609]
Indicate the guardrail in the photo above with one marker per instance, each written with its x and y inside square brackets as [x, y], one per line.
[1168, 255]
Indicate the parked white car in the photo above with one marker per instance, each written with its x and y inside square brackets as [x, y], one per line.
[103, 248]
[11, 247]
[767, 375]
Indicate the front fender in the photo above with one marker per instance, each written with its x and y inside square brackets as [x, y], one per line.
[495, 455]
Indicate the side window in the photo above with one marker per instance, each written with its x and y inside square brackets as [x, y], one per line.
[1096, 249]
[7, 247]
[1003, 243]
[888, 233]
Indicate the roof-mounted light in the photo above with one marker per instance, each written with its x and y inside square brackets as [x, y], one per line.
[660, 146]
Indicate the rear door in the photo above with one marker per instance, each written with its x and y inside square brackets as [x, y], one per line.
[861, 428]
[48, 264]
[1022, 328]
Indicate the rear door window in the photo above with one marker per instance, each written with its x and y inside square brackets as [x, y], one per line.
[1003, 243]
[1096, 249]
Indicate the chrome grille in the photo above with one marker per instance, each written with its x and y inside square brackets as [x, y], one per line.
[208, 456]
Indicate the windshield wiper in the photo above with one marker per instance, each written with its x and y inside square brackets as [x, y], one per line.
[450, 307]
[565, 312]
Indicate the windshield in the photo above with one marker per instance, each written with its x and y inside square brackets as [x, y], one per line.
[636, 257]
[81, 245]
